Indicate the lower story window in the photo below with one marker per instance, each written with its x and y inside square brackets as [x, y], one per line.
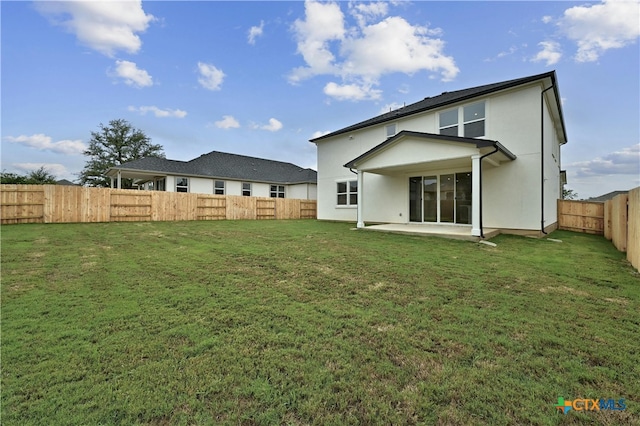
[277, 191]
[347, 193]
[182, 184]
[246, 189]
[159, 184]
[218, 187]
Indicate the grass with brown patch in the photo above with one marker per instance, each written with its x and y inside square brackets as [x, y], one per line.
[304, 322]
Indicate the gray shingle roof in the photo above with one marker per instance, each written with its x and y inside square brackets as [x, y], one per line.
[444, 99]
[607, 196]
[223, 165]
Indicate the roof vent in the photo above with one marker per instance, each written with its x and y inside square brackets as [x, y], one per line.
[444, 93]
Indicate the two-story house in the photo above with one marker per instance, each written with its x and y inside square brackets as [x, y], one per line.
[483, 157]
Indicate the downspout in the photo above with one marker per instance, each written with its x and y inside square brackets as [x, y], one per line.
[355, 173]
[542, 158]
[480, 185]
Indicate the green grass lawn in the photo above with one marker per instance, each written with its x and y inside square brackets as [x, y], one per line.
[305, 322]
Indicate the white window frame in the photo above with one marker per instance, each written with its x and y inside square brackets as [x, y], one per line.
[349, 194]
[246, 190]
[224, 187]
[178, 179]
[460, 124]
[278, 192]
[391, 130]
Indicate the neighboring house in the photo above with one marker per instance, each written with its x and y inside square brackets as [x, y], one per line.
[65, 182]
[607, 196]
[484, 157]
[220, 173]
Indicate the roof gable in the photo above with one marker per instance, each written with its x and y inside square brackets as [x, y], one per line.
[477, 143]
[447, 98]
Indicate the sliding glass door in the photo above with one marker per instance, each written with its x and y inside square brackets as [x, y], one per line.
[440, 198]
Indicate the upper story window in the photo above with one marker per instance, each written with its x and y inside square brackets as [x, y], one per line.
[467, 121]
[449, 122]
[246, 189]
[218, 187]
[474, 120]
[391, 130]
[182, 184]
[277, 191]
[347, 193]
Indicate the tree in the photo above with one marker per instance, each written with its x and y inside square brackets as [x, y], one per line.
[41, 177]
[569, 194]
[112, 145]
[37, 177]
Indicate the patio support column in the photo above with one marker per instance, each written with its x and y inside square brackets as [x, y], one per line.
[111, 181]
[360, 223]
[476, 194]
[119, 179]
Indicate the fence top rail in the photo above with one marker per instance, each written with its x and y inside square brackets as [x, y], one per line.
[581, 202]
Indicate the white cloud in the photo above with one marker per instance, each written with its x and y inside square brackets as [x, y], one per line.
[394, 45]
[624, 162]
[324, 22]
[365, 13]
[319, 133]
[611, 24]
[273, 126]
[353, 92]
[107, 27]
[177, 113]
[546, 19]
[255, 32]
[210, 77]
[55, 169]
[550, 53]
[227, 122]
[367, 51]
[132, 75]
[43, 142]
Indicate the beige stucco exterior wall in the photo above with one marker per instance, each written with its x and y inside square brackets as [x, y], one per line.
[302, 191]
[511, 191]
[233, 187]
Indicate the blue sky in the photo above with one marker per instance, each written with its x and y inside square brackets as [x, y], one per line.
[262, 78]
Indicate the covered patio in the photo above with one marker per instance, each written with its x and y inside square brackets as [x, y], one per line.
[415, 153]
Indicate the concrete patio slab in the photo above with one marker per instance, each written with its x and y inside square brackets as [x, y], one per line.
[457, 232]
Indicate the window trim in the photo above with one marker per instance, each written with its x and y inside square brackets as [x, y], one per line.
[461, 123]
[348, 194]
[224, 187]
[388, 127]
[246, 190]
[278, 192]
[178, 178]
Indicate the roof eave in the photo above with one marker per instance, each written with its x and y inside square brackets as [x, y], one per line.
[479, 143]
[516, 83]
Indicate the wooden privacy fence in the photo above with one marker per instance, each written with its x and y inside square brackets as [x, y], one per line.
[76, 204]
[617, 219]
[581, 216]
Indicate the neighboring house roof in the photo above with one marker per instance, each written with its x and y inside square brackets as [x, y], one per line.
[65, 182]
[608, 196]
[222, 165]
[447, 98]
[479, 143]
